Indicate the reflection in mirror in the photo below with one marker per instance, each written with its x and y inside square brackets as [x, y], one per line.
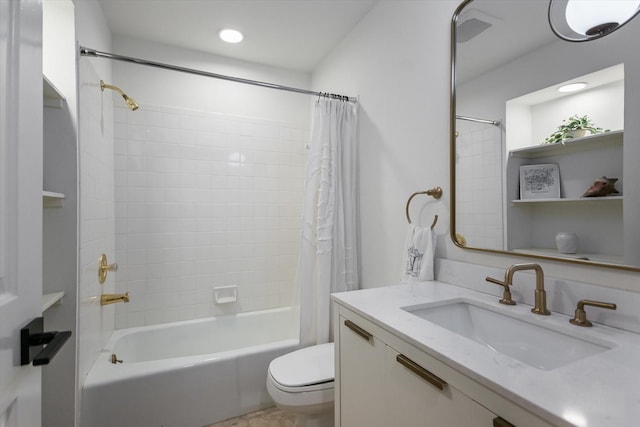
[518, 184]
[584, 20]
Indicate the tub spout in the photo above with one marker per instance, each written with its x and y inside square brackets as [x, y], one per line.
[113, 298]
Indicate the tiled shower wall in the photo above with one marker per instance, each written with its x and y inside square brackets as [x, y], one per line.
[96, 197]
[205, 200]
[479, 201]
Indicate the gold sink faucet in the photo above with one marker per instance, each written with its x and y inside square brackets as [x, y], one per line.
[580, 317]
[540, 306]
[113, 298]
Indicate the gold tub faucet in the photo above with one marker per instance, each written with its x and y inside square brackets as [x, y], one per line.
[540, 306]
[113, 298]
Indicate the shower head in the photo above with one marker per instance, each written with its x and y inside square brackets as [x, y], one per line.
[131, 103]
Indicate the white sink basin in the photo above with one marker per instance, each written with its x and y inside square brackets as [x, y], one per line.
[535, 345]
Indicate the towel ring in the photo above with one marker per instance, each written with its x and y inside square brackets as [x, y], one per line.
[435, 192]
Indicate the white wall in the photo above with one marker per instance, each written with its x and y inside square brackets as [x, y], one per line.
[239, 222]
[205, 200]
[479, 152]
[60, 235]
[155, 86]
[96, 194]
[397, 61]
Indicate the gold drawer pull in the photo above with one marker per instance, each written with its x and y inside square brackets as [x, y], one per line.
[501, 422]
[420, 371]
[358, 330]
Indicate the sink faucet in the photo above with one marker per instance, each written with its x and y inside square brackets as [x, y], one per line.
[540, 306]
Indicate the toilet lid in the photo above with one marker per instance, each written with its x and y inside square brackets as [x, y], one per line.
[308, 366]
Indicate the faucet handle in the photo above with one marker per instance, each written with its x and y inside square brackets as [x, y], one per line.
[580, 317]
[506, 295]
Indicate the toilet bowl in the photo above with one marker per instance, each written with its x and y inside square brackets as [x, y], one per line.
[302, 382]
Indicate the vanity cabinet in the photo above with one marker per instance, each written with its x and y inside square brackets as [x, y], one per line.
[533, 223]
[382, 380]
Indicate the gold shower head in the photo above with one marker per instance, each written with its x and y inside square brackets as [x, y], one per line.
[131, 103]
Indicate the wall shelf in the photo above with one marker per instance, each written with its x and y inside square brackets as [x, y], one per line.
[52, 97]
[52, 199]
[588, 142]
[51, 299]
[604, 258]
[569, 200]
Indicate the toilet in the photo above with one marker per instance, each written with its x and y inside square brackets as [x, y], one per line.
[302, 382]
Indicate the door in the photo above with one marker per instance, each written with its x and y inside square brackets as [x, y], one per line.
[20, 204]
[416, 397]
[361, 376]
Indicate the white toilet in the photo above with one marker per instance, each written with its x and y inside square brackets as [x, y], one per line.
[302, 382]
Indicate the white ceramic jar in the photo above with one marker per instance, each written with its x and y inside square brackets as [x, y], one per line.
[567, 243]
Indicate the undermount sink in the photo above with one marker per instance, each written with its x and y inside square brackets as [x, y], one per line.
[532, 344]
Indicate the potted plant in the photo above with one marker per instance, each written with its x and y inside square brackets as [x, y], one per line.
[574, 127]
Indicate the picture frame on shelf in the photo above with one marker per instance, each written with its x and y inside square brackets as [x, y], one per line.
[540, 181]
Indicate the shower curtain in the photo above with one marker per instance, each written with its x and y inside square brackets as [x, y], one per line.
[328, 256]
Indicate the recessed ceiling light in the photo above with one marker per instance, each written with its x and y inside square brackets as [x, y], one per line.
[231, 36]
[572, 87]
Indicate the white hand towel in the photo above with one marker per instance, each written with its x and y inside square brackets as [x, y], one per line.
[419, 251]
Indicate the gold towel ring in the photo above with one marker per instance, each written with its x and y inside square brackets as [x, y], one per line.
[435, 192]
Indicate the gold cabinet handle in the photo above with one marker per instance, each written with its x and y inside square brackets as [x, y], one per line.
[501, 422]
[421, 372]
[104, 267]
[358, 330]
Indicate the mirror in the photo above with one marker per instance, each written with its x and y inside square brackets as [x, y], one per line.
[514, 193]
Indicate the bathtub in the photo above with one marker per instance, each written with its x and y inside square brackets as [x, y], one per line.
[187, 374]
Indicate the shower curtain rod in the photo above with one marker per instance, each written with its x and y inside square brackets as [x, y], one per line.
[473, 119]
[84, 51]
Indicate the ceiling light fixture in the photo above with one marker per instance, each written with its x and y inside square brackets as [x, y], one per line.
[572, 87]
[582, 20]
[231, 36]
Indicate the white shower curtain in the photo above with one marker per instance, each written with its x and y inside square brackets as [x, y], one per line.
[328, 256]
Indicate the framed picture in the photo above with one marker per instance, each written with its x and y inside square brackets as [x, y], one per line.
[539, 182]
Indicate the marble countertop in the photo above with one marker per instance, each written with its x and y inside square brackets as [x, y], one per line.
[601, 390]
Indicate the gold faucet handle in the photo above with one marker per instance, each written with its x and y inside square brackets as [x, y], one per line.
[104, 267]
[506, 295]
[580, 317]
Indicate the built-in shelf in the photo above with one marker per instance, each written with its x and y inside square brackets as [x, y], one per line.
[604, 258]
[52, 97]
[50, 299]
[569, 200]
[51, 199]
[588, 142]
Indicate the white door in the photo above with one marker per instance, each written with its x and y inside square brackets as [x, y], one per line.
[20, 204]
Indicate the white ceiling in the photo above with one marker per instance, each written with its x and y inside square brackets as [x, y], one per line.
[292, 34]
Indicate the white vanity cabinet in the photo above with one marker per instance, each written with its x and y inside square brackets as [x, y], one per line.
[381, 380]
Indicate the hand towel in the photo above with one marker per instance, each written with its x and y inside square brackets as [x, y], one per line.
[419, 252]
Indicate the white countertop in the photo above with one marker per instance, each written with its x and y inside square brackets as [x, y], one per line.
[601, 390]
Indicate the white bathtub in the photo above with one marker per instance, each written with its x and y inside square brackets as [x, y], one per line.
[187, 374]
